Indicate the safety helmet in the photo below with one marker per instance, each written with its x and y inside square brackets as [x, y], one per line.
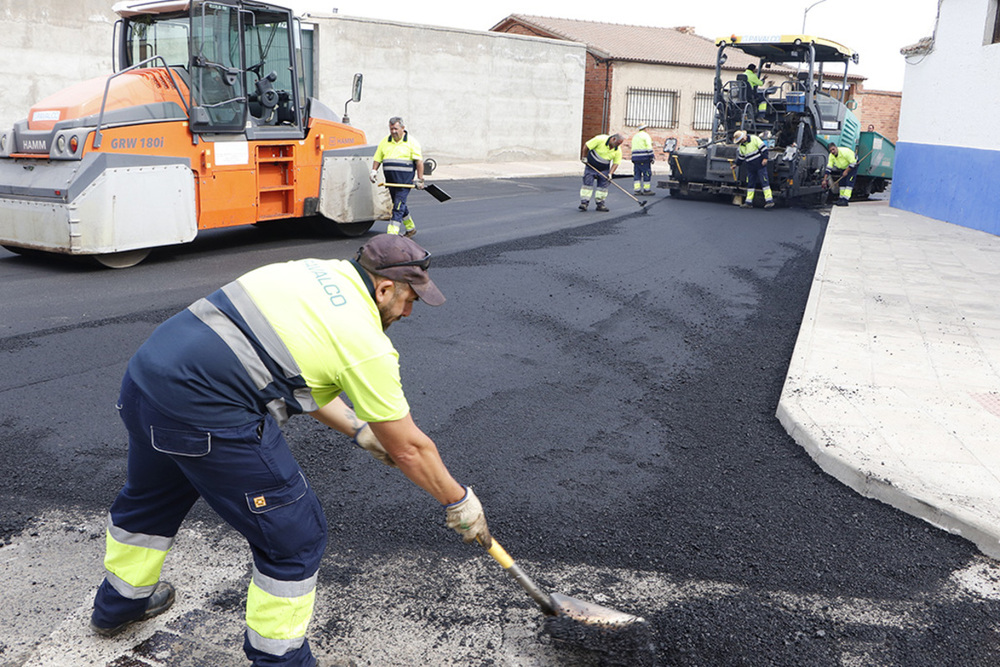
[739, 136]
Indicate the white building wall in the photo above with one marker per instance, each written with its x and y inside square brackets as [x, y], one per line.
[948, 154]
[467, 96]
[952, 94]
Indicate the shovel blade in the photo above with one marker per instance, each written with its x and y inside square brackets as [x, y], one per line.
[590, 613]
[436, 192]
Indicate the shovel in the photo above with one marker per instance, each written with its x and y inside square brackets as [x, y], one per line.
[633, 197]
[430, 188]
[562, 606]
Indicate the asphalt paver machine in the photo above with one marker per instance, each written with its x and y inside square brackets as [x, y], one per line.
[802, 110]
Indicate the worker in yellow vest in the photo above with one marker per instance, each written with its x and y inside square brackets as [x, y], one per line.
[753, 153]
[642, 162]
[604, 154]
[844, 164]
[204, 400]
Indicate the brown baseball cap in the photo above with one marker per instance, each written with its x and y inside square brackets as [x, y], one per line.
[400, 258]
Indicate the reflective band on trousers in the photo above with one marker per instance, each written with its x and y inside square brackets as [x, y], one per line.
[278, 612]
[275, 348]
[134, 560]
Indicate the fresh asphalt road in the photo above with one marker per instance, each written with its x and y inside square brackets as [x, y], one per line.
[608, 384]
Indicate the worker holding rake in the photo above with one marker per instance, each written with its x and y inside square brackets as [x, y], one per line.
[204, 399]
[604, 154]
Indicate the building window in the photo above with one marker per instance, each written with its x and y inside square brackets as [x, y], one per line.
[651, 106]
[704, 111]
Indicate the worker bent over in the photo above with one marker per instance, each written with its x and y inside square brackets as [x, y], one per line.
[842, 163]
[642, 162]
[753, 153]
[204, 400]
[400, 157]
[604, 154]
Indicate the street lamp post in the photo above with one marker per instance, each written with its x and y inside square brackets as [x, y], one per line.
[806, 12]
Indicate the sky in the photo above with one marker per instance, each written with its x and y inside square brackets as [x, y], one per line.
[875, 29]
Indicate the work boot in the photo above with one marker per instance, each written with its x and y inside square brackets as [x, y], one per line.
[842, 201]
[769, 203]
[584, 204]
[601, 206]
[160, 601]
[746, 204]
[410, 232]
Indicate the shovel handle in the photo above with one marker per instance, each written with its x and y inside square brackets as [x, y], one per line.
[541, 598]
[500, 555]
[398, 185]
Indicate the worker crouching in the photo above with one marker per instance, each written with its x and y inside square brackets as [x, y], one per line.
[844, 164]
[753, 153]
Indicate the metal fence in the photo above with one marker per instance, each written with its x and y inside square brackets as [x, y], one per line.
[651, 106]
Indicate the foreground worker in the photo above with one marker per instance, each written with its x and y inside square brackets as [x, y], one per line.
[753, 153]
[844, 164]
[642, 162]
[204, 400]
[400, 157]
[604, 154]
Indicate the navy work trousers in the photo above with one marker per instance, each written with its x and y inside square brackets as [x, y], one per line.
[171, 464]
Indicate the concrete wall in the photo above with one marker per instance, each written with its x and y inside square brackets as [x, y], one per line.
[948, 155]
[467, 96]
[48, 45]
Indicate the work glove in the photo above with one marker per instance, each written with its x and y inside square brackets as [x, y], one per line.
[366, 440]
[419, 184]
[467, 519]
[373, 175]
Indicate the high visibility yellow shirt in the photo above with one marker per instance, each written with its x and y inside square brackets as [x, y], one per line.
[752, 149]
[753, 79]
[601, 154]
[642, 147]
[398, 158]
[326, 317]
[842, 160]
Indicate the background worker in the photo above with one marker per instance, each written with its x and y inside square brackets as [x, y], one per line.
[642, 162]
[604, 154]
[400, 157]
[204, 399]
[844, 164]
[754, 95]
[753, 153]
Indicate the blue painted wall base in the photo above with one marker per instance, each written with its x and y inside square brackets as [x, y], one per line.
[950, 183]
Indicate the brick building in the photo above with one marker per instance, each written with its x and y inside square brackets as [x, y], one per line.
[639, 74]
[881, 109]
[661, 76]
